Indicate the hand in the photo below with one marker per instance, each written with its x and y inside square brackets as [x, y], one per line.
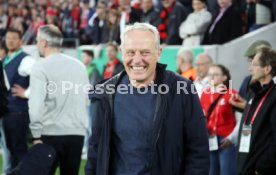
[225, 143]
[237, 101]
[256, 173]
[38, 141]
[18, 91]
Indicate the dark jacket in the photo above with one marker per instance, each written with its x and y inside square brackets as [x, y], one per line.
[180, 141]
[176, 17]
[226, 29]
[152, 16]
[262, 151]
[17, 104]
[3, 93]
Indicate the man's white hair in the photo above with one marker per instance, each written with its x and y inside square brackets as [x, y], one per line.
[186, 55]
[141, 26]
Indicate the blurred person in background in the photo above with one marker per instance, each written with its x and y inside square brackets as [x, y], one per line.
[17, 65]
[114, 65]
[203, 63]
[257, 136]
[193, 28]
[226, 25]
[172, 14]
[111, 28]
[185, 67]
[242, 97]
[150, 13]
[221, 121]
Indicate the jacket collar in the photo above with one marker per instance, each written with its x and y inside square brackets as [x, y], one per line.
[258, 89]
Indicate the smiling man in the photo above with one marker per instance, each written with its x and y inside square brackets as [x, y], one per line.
[146, 131]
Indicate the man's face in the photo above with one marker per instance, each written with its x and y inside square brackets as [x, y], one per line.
[13, 41]
[167, 3]
[224, 3]
[86, 59]
[146, 5]
[257, 71]
[111, 53]
[198, 5]
[202, 66]
[140, 56]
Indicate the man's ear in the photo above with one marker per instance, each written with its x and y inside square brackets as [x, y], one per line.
[268, 69]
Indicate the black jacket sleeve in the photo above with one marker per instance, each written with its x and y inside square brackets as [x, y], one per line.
[196, 137]
[3, 93]
[93, 147]
[267, 161]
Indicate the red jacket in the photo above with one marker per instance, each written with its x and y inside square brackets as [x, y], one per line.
[222, 120]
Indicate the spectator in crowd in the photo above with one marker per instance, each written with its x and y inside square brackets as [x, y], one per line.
[111, 28]
[3, 20]
[94, 78]
[213, 7]
[221, 122]
[263, 13]
[12, 14]
[85, 15]
[30, 34]
[249, 54]
[67, 23]
[129, 14]
[15, 123]
[172, 14]
[114, 65]
[75, 15]
[185, 67]
[92, 70]
[96, 23]
[257, 152]
[150, 13]
[240, 101]
[60, 125]
[225, 26]
[193, 28]
[4, 86]
[147, 133]
[202, 65]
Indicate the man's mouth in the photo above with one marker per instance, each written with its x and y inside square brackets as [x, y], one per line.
[138, 68]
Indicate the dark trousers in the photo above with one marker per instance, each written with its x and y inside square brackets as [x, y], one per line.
[68, 153]
[15, 126]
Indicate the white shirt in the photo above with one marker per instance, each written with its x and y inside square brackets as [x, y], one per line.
[201, 85]
[25, 69]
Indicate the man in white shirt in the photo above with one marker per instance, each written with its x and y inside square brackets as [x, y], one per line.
[202, 65]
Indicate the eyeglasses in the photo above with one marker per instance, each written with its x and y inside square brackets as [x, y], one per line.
[255, 65]
[201, 64]
[214, 75]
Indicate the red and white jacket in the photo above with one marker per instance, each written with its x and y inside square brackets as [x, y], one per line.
[222, 119]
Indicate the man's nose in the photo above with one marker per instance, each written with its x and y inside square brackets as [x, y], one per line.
[137, 57]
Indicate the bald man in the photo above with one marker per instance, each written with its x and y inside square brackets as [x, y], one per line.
[202, 65]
